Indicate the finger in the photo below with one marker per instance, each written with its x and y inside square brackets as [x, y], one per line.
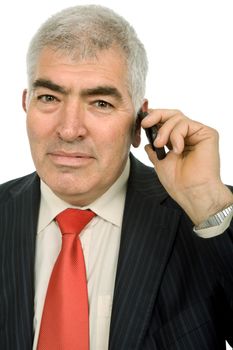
[156, 116]
[151, 154]
[173, 132]
[179, 132]
[174, 135]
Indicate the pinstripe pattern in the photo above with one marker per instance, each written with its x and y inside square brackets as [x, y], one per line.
[18, 220]
[173, 289]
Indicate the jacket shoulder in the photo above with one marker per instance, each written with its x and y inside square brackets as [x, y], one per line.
[16, 186]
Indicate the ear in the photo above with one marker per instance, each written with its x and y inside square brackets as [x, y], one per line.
[137, 130]
[24, 100]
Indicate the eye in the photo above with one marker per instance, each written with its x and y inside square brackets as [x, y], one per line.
[103, 104]
[47, 98]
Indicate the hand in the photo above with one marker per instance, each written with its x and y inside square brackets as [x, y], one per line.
[190, 172]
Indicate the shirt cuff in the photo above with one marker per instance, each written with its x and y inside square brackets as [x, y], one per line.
[215, 230]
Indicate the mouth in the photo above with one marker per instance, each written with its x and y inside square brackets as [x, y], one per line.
[70, 159]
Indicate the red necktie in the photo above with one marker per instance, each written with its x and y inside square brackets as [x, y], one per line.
[65, 321]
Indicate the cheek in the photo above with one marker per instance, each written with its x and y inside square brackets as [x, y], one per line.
[32, 131]
[38, 128]
[117, 141]
[124, 136]
[38, 136]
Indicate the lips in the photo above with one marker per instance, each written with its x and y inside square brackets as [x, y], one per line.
[71, 159]
[71, 154]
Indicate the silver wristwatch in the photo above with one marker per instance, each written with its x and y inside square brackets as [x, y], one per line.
[216, 219]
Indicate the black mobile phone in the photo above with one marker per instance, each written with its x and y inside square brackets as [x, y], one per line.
[151, 134]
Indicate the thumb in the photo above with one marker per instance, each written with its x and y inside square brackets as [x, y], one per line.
[151, 155]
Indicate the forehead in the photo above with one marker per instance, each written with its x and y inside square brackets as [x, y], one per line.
[106, 65]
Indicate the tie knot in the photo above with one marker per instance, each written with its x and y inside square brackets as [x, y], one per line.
[73, 220]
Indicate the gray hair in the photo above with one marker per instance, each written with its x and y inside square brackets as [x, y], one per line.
[83, 31]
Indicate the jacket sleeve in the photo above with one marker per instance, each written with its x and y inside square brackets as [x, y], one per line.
[223, 260]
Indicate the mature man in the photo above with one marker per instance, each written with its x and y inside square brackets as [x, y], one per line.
[137, 273]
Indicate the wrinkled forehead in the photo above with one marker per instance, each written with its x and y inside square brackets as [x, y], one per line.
[104, 75]
[75, 56]
[109, 64]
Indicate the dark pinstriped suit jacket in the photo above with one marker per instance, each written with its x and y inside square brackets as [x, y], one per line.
[173, 290]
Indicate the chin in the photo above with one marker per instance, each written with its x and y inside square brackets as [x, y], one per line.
[71, 189]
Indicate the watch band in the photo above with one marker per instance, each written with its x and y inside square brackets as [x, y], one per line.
[216, 219]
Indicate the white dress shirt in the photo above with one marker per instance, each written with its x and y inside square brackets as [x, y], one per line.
[100, 241]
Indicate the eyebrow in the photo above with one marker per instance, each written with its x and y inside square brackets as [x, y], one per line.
[104, 90]
[49, 85]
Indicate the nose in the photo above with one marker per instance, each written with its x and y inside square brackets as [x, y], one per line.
[72, 125]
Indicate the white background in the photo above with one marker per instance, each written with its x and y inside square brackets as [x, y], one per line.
[189, 45]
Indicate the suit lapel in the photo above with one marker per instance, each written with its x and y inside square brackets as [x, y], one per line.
[19, 222]
[148, 232]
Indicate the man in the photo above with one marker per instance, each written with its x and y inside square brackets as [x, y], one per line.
[153, 281]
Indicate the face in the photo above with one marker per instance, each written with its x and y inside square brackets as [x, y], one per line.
[81, 123]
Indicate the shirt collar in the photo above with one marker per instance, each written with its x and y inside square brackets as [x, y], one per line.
[109, 206]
